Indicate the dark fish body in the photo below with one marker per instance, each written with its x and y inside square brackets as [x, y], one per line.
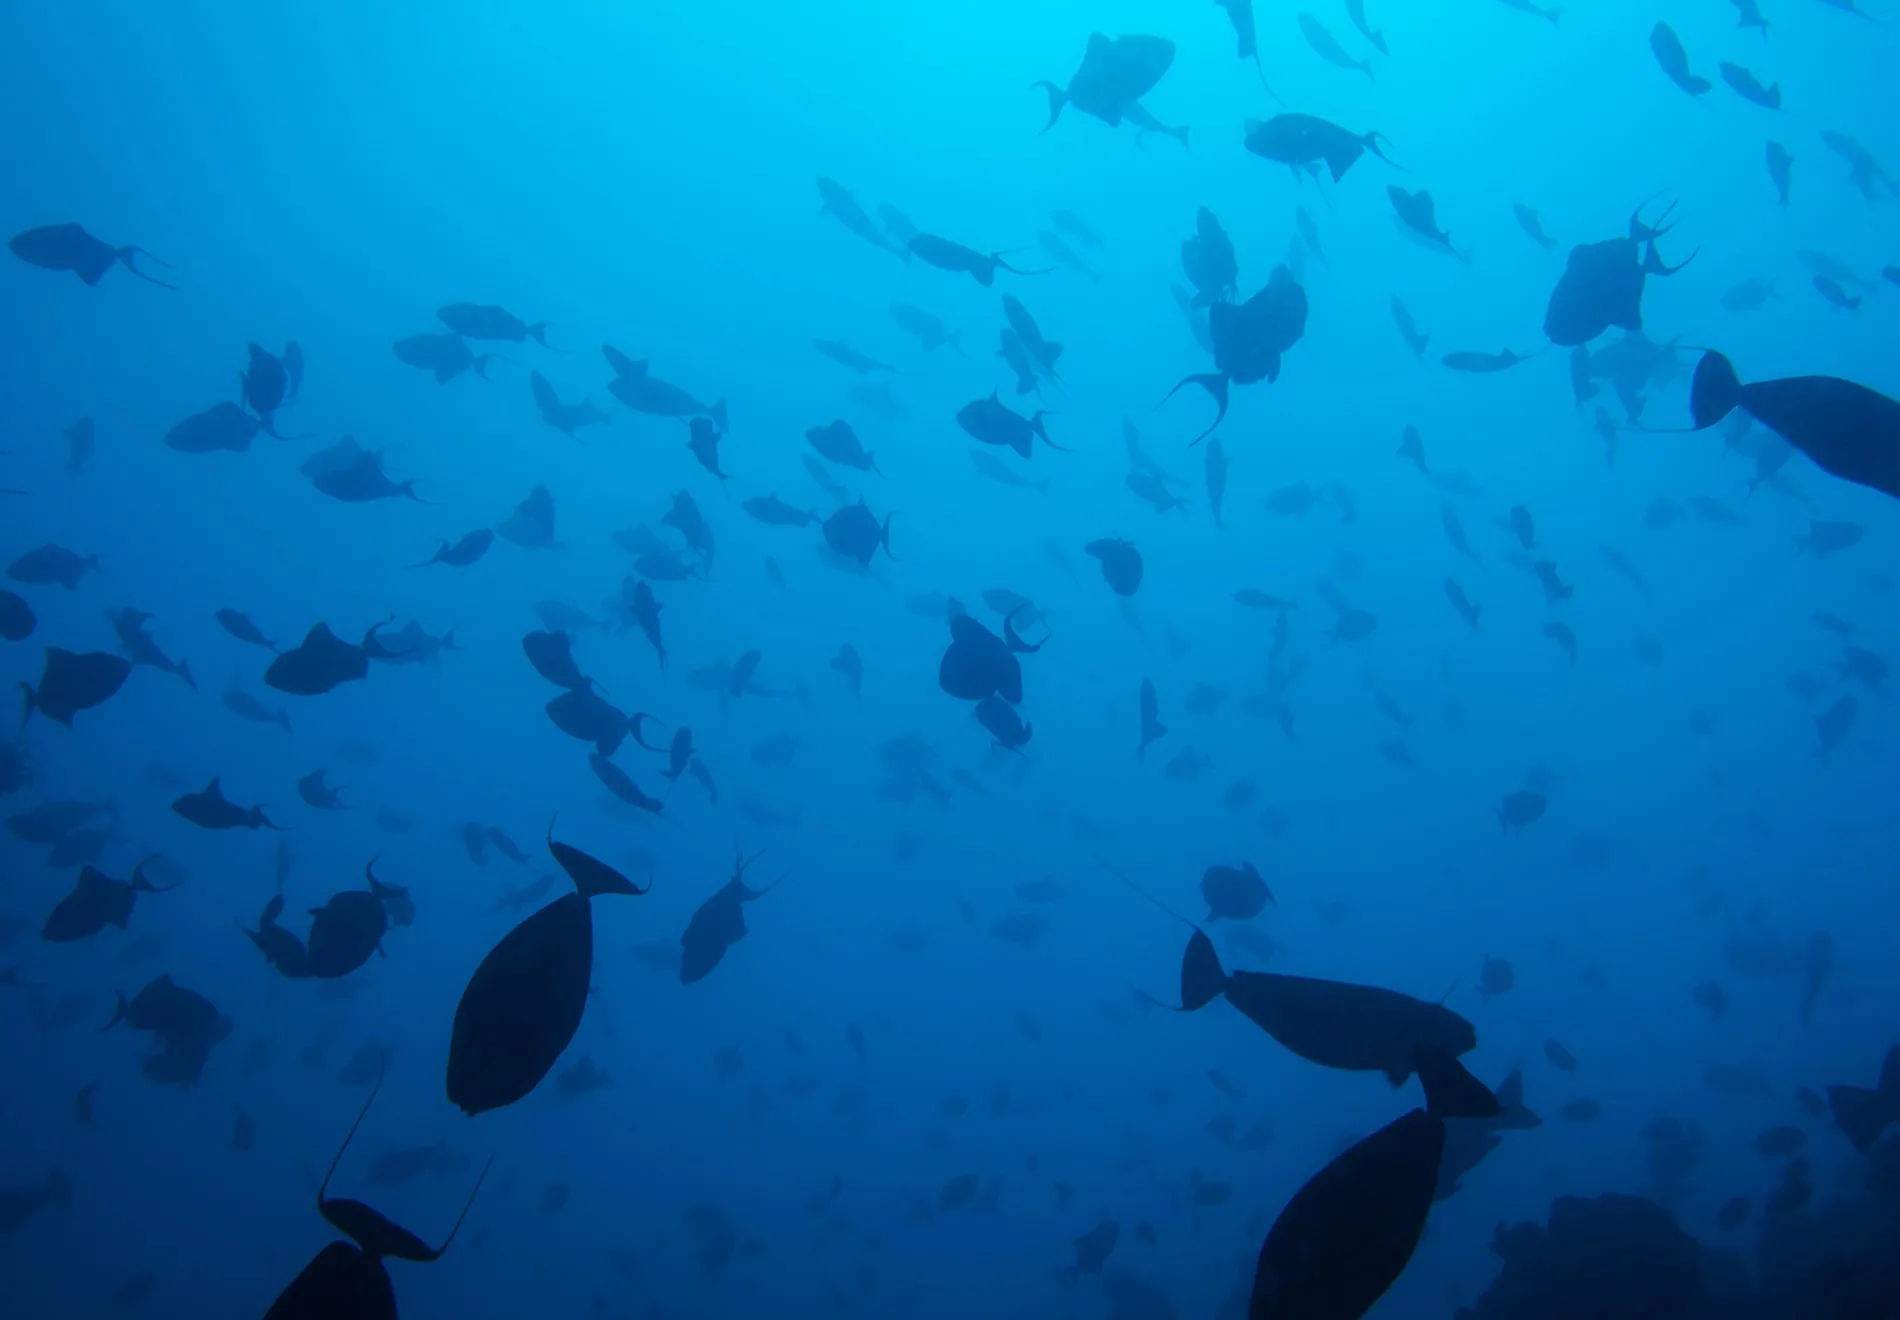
[97, 901]
[1327, 46]
[1250, 339]
[1121, 564]
[485, 321]
[444, 356]
[1849, 431]
[52, 564]
[944, 254]
[1669, 52]
[72, 682]
[1236, 893]
[524, 1002]
[1528, 221]
[1296, 140]
[50, 822]
[1602, 285]
[775, 512]
[583, 714]
[319, 663]
[209, 809]
[716, 925]
[1745, 85]
[645, 393]
[317, 792]
[842, 207]
[1483, 363]
[349, 927]
[239, 625]
[351, 474]
[1114, 75]
[855, 533]
[1008, 728]
[69, 247]
[1520, 809]
[247, 707]
[839, 443]
[846, 356]
[927, 328]
[17, 620]
[265, 384]
[552, 655]
[978, 664]
[1348, 1234]
[464, 552]
[992, 422]
[223, 426]
[1208, 260]
[1356, 1028]
[1835, 294]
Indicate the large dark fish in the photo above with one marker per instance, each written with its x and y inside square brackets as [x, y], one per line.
[1667, 47]
[978, 664]
[646, 393]
[17, 620]
[69, 247]
[717, 924]
[444, 356]
[209, 809]
[347, 1280]
[524, 1002]
[1602, 283]
[961, 260]
[72, 682]
[1249, 339]
[347, 472]
[1848, 430]
[1247, 37]
[223, 426]
[322, 662]
[566, 418]
[1297, 140]
[1114, 73]
[485, 321]
[855, 533]
[1348, 1234]
[97, 901]
[268, 382]
[992, 422]
[1336, 1024]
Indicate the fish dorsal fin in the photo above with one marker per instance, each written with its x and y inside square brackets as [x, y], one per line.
[212, 790]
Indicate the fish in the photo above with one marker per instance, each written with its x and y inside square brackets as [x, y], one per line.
[840, 444]
[1863, 1114]
[1418, 215]
[525, 1000]
[531, 525]
[1356, 11]
[1528, 7]
[960, 260]
[1834, 294]
[1236, 893]
[349, 1278]
[636, 387]
[487, 321]
[999, 471]
[855, 533]
[1745, 85]
[222, 427]
[322, 662]
[1093, 1249]
[209, 809]
[1298, 140]
[1528, 221]
[1121, 564]
[351, 474]
[268, 382]
[1152, 729]
[718, 924]
[443, 356]
[1414, 338]
[96, 901]
[17, 620]
[1674, 60]
[1208, 261]
[73, 681]
[845, 209]
[239, 625]
[1347, 1234]
[1327, 46]
[1114, 75]
[846, 356]
[1849, 430]
[1250, 339]
[1780, 171]
[1215, 471]
[978, 664]
[1520, 809]
[50, 564]
[1865, 172]
[317, 792]
[992, 422]
[69, 247]
[1484, 363]
[464, 552]
[141, 648]
[1602, 283]
[566, 418]
[1462, 603]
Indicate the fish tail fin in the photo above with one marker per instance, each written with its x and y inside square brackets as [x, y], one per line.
[884, 534]
[1450, 1089]
[1215, 383]
[408, 489]
[425, 563]
[539, 333]
[1041, 487]
[184, 672]
[29, 699]
[1057, 99]
[118, 1011]
[718, 414]
[1371, 143]
[1261, 69]
[1862, 1115]
[1202, 977]
[141, 884]
[1715, 390]
[126, 257]
[483, 359]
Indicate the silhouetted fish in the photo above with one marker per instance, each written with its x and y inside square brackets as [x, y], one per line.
[69, 247]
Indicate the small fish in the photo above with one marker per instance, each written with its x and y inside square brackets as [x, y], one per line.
[1674, 59]
[1327, 46]
[1527, 7]
[1528, 221]
[1780, 173]
[1835, 294]
[1745, 85]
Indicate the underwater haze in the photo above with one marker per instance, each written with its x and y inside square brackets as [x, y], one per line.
[682, 605]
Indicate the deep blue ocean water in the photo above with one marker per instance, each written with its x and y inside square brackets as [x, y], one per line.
[643, 175]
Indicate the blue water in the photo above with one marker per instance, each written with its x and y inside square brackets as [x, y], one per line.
[644, 176]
